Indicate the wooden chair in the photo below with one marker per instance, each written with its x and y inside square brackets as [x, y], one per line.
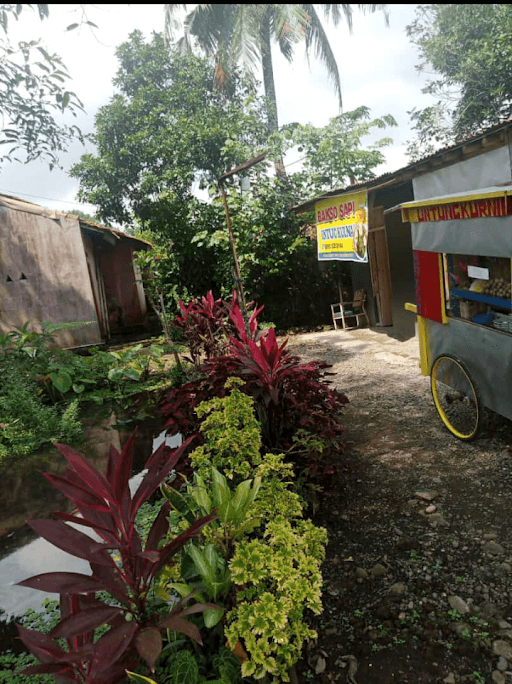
[356, 309]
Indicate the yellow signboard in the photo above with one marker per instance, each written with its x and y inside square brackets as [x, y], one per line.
[342, 227]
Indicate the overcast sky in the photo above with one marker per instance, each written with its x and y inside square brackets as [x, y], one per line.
[376, 65]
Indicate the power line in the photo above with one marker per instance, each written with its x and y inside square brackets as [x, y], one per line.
[50, 199]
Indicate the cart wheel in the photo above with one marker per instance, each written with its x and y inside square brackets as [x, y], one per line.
[456, 397]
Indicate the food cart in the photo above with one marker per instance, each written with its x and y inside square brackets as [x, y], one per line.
[462, 251]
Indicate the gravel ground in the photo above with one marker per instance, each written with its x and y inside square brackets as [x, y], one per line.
[418, 575]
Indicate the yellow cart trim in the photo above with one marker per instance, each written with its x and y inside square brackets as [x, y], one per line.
[422, 339]
[444, 317]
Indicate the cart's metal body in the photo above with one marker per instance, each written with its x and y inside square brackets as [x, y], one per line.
[472, 223]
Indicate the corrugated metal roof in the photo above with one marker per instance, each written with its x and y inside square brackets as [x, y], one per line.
[405, 172]
[19, 204]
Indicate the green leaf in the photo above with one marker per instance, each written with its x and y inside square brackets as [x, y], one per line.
[96, 399]
[200, 494]
[204, 568]
[115, 374]
[242, 498]
[212, 616]
[62, 381]
[220, 489]
[132, 373]
[78, 389]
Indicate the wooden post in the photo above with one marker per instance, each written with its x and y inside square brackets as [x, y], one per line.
[238, 277]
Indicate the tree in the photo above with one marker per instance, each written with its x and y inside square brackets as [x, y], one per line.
[244, 33]
[32, 92]
[333, 154]
[166, 129]
[85, 215]
[469, 48]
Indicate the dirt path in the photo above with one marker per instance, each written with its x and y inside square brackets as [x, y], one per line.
[418, 578]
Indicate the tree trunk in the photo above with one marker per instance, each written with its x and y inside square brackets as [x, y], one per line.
[269, 85]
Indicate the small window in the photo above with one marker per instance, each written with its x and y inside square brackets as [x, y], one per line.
[8, 279]
[23, 277]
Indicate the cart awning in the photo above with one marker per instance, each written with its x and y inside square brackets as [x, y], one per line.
[470, 222]
[467, 204]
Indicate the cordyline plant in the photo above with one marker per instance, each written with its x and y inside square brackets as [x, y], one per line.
[108, 508]
[289, 396]
[205, 325]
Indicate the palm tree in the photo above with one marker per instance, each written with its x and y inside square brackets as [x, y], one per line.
[242, 34]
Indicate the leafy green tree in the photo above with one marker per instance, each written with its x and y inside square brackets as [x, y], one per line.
[165, 130]
[243, 34]
[85, 215]
[32, 93]
[469, 50]
[333, 155]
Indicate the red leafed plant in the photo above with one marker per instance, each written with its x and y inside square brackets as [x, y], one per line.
[108, 508]
[289, 396]
[205, 324]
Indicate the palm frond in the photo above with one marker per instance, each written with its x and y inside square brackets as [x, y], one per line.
[316, 37]
[338, 12]
[171, 24]
[288, 26]
[245, 44]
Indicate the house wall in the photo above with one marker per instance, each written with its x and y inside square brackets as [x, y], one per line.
[121, 289]
[43, 276]
[97, 285]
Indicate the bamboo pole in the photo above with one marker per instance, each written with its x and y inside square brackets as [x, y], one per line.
[238, 278]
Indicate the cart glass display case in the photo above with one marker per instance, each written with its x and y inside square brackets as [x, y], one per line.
[478, 289]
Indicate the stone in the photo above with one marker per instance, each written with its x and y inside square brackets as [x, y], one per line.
[490, 535]
[426, 496]
[437, 519]
[505, 567]
[502, 648]
[503, 624]
[502, 664]
[493, 548]
[430, 509]
[320, 665]
[398, 588]
[361, 573]
[498, 677]
[458, 604]
[378, 570]
[450, 679]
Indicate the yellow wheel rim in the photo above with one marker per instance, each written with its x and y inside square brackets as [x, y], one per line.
[456, 397]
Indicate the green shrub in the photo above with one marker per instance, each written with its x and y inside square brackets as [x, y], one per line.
[260, 543]
[232, 437]
[278, 578]
[26, 423]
